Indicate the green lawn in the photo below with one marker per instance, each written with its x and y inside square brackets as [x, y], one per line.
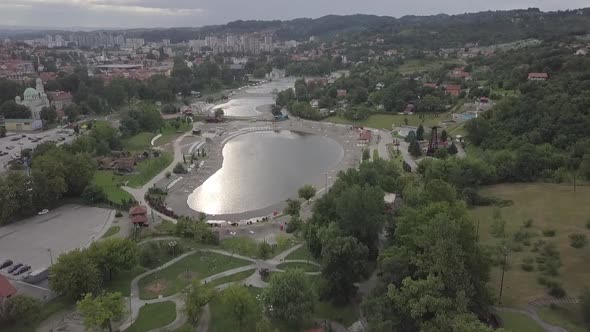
[246, 246]
[174, 278]
[108, 182]
[515, 322]
[295, 265]
[232, 278]
[169, 133]
[111, 231]
[301, 253]
[122, 280]
[139, 142]
[152, 316]
[147, 169]
[554, 206]
[387, 121]
[567, 316]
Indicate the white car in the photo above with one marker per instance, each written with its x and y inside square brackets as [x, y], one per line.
[42, 212]
[251, 232]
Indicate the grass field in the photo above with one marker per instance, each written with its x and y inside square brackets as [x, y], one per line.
[147, 169]
[174, 278]
[387, 121]
[567, 316]
[152, 316]
[515, 322]
[169, 133]
[139, 142]
[232, 278]
[108, 182]
[550, 206]
[301, 253]
[422, 65]
[246, 246]
[295, 265]
[111, 231]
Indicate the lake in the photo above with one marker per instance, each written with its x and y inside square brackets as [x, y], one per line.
[261, 169]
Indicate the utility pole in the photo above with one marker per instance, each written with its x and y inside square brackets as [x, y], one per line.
[503, 271]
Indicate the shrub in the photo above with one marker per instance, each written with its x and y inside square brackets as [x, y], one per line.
[537, 245]
[168, 175]
[521, 235]
[498, 228]
[94, 194]
[118, 214]
[555, 289]
[578, 240]
[549, 232]
[179, 169]
[527, 264]
[156, 191]
[528, 223]
[21, 308]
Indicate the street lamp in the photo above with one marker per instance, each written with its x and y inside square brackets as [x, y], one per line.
[50, 255]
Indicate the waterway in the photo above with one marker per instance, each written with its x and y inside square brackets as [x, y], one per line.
[261, 169]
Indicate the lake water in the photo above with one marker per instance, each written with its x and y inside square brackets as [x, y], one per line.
[261, 169]
[245, 107]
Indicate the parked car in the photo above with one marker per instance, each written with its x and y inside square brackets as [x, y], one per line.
[42, 212]
[5, 264]
[14, 267]
[21, 270]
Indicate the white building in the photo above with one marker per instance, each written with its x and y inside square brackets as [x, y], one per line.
[34, 100]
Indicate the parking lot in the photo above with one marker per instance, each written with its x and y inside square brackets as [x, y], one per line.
[39, 240]
[11, 145]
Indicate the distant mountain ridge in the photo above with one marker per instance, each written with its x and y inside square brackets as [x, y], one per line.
[484, 27]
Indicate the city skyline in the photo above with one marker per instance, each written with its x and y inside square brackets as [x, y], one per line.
[65, 14]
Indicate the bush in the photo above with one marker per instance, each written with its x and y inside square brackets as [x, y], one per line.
[549, 232]
[94, 194]
[21, 308]
[521, 235]
[528, 223]
[179, 169]
[156, 191]
[537, 245]
[527, 264]
[554, 289]
[293, 225]
[168, 175]
[118, 214]
[578, 240]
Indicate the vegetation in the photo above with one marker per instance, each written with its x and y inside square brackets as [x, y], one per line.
[152, 316]
[101, 311]
[197, 296]
[240, 305]
[291, 298]
[518, 322]
[111, 231]
[296, 265]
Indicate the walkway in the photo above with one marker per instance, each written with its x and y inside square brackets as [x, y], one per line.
[254, 280]
[139, 193]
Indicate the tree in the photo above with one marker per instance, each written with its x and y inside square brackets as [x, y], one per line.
[289, 297]
[93, 194]
[452, 149]
[197, 296]
[264, 250]
[49, 181]
[366, 154]
[80, 169]
[74, 274]
[20, 308]
[307, 191]
[219, 113]
[420, 133]
[2, 131]
[11, 110]
[48, 114]
[585, 166]
[169, 109]
[344, 262]
[113, 254]
[444, 136]
[414, 149]
[264, 325]
[441, 153]
[293, 207]
[101, 311]
[240, 304]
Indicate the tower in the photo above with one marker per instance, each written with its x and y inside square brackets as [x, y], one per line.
[39, 86]
[433, 143]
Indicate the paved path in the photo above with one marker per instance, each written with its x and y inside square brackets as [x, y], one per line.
[534, 316]
[139, 193]
[254, 280]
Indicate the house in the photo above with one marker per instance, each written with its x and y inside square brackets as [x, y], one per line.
[538, 76]
[315, 103]
[582, 51]
[453, 89]
[430, 85]
[60, 100]
[6, 290]
[379, 86]
[138, 215]
[23, 124]
[341, 93]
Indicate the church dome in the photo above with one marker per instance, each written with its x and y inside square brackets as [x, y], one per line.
[30, 92]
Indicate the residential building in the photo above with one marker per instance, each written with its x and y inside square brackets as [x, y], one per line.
[60, 100]
[138, 215]
[453, 89]
[538, 76]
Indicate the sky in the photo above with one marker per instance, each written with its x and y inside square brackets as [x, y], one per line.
[182, 13]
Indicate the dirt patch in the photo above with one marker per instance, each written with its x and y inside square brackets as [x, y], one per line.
[188, 275]
[157, 286]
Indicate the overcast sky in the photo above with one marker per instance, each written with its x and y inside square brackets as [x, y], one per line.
[174, 13]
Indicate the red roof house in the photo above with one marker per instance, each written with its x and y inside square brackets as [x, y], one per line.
[365, 135]
[453, 89]
[138, 215]
[6, 289]
[538, 76]
[341, 93]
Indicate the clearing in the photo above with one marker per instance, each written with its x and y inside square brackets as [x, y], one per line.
[152, 316]
[111, 183]
[428, 64]
[550, 207]
[174, 278]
